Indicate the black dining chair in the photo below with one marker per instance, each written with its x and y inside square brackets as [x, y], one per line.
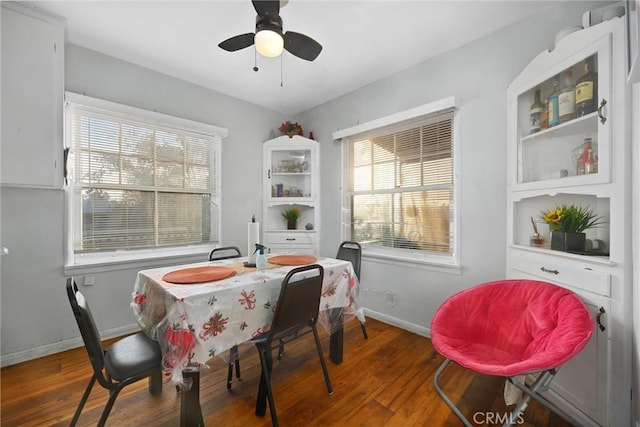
[124, 362]
[228, 252]
[297, 308]
[352, 252]
[347, 251]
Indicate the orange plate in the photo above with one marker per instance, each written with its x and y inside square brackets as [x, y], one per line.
[292, 259]
[191, 275]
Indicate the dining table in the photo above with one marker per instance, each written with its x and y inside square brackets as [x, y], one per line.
[198, 312]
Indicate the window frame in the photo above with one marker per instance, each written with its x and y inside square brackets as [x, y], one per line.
[449, 262]
[76, 263]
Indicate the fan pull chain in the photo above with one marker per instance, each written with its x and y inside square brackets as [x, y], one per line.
[255, 60]
[281, 67]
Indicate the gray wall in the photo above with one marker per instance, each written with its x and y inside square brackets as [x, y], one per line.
[36, 317]
[477, 75]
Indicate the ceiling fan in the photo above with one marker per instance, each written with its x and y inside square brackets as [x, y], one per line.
[268, 37]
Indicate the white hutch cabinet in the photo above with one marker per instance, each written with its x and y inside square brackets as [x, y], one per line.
[291, 180]
[542, 173]
[32, 97]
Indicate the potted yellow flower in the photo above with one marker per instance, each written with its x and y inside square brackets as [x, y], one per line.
[567, 224]
[291, 216]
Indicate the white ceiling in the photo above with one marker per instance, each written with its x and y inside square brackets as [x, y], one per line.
[362, 41]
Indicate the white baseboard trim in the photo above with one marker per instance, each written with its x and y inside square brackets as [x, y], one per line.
[402, 324]
[60, 346]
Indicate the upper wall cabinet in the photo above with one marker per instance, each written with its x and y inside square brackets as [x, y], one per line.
[548, 148]
[291, 174]
[32, 98]
[569, 155]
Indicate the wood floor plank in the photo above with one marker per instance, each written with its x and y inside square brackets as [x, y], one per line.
[385, 381]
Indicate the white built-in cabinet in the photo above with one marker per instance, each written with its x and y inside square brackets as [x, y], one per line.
[594, 386]
[32, 98]
[291, 180]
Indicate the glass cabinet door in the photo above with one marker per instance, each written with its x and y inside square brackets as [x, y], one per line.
[572, 146]
[290, 175]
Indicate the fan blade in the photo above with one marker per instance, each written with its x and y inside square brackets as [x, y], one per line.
[237, 42]
[264, 7]
[302, 46]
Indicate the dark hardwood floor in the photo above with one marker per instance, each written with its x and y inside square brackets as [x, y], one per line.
[386, 380]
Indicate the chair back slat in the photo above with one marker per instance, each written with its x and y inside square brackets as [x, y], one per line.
[299, 301]
[352, 252]
[226, 252]
[87, 326]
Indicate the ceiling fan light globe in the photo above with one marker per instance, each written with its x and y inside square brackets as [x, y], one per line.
[269, 43]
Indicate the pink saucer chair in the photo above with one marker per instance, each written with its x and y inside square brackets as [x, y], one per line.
[511, 328]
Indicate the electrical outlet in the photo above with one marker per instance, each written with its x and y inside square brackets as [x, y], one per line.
[392, 299]
[89, 280]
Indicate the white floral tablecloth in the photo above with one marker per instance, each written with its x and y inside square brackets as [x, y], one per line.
[195, 322]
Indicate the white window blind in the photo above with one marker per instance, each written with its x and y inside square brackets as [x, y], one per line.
[139, 184]
[400, 186]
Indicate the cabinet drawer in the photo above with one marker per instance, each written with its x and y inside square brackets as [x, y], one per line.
[290, 238]
[291, 249]
[573, 276]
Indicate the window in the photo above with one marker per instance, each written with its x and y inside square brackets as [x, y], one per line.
[399, 187]
[138, 181]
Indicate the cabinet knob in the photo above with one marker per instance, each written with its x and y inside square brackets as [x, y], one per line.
[603, 119]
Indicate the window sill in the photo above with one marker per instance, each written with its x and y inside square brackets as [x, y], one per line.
[100, 263]
[414, 259]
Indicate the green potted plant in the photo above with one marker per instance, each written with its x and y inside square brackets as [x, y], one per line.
[291, 216]
[567, 224]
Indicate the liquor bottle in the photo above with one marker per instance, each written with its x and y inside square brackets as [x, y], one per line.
[554, 110]
[584, 157]
[567, 99]
[587, 89]
[591, 166]
[544, 116]
[536, 110]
